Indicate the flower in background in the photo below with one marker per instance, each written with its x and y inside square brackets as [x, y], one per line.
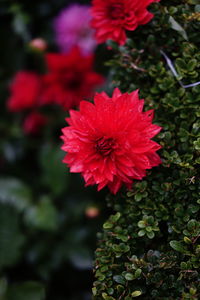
[70, 77]
[38, 44]
[112, 17]
[92, 212]
[109, 142]
[24, 89]
[72, 28]
[34, 122]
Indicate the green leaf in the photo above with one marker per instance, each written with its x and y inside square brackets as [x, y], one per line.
[54, 171]
[197, 144]
[151, 235]
[107, 297]
[20, 21]
[43, 215]
[193, 2]
[115, 218]
[178, 246]
[11, 239]
[136, 294]
[197, 8]
[138, 197]
[119, 279]
[129, 276]
[181, 64]
[141, 233]
[107, 225]
[29, 290]
[15, 193]
[141, 224]
[94, 291]
[138, 272]
[192, 64]
[176, 26]
[3, 287]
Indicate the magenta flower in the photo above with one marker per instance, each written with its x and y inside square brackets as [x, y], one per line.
[72, 28]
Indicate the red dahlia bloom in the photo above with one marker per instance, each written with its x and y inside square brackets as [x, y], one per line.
[25, 90]
[112, 17]
[34, 122]
[70, 78]
[109, 141]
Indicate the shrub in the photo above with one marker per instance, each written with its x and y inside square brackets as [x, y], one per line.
[149, 247]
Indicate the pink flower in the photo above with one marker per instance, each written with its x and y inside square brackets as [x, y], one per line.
[72, 28]
[109, 142]
[38, 44]
[111, 18]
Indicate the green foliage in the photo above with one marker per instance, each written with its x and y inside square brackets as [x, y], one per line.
[150, 247]
[11, 239]
[27, 290]
[53, 170]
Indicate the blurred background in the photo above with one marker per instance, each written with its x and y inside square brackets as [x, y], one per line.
[48, 219]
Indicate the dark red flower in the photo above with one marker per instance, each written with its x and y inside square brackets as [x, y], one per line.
[109, 141]
[34, 122]
[70, 77]
[112, 17]
[25, 90]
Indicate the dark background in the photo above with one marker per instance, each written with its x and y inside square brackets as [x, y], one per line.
[47, 240]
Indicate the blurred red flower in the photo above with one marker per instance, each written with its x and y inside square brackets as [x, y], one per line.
[25, 89]
[70, 77]
[34, 122]
[112, 17]
[109, 141]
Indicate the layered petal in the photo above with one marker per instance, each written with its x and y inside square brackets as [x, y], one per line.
[109, 142]
[111, 18]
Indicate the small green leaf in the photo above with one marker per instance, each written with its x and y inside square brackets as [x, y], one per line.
[115, 218]
[54, 173]
[94, 291]
[43, 215]
[107, 225]
[141, 233]
[197, 8]
[119, 279]
[141, 224]
[138, 272]
[129, 276]
[178, 246]
[192, 64]
[15, 193]
[106, 297]
[136, 294]
[151, 235]
[138, 197]
[176, 26]
[180, 63]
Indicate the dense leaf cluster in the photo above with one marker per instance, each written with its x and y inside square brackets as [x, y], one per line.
[150, 246]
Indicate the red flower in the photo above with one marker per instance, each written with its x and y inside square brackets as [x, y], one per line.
[24, 90]
[70, 78]
[34, 122]
[109, 141]
[112, 17]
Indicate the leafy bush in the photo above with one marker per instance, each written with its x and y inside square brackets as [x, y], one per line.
[149, 247]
